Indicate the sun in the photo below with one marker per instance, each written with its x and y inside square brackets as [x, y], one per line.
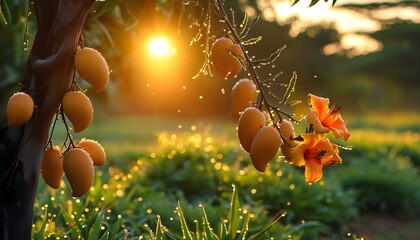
[159, 47]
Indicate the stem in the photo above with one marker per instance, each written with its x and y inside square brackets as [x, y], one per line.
[254, 76]
[219, 10]
[222, 14]
[205, 69]
[53, 127]
[69, 137]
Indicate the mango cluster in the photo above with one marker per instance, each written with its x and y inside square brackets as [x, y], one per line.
[92, 67]
[76, 163]
[256, 136]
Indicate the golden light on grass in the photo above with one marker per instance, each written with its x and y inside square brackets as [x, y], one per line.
[159, 47]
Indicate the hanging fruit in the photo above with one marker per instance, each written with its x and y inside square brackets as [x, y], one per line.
[78, 109]
[223, 60]
[244, 94]
[250, 121]
[92, 67]
[52, 167]
[265, 146]
[78, 168]
[94, 149]
[19, 109]
[288, 132]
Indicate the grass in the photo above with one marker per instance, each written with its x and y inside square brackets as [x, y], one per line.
[155, 164]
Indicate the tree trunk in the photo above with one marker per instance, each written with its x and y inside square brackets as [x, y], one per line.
[48, 75]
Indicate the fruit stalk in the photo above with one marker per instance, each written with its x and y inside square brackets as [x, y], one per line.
[222, 14]
[263, 102]
[48, 75]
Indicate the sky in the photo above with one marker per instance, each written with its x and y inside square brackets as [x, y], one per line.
[353, 26]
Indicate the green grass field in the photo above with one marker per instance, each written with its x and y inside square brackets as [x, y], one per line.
[157, 166]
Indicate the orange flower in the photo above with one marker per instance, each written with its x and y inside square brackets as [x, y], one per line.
[313, 153]
[325, 119]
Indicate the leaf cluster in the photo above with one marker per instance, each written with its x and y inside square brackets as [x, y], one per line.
[237, 225]
[383, 179]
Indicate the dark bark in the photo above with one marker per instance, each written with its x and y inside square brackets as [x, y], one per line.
[48, 75]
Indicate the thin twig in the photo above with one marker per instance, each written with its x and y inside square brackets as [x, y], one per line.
[218, 7]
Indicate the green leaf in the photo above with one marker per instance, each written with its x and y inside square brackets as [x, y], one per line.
[223, 229]
[3, 19]
[313, 2]
[234, 213]
[254, 21]
[67, 217]
[232, 12]
[96, 226]
[107, 6]
[130, 18]
[244, 24]
[106, 33]
[5, 14]
[40, 233]
[105, 236]
[198, 231]
[185, 231]
[252, 41]
[91, 219]
[172, 236]
[295, 102]
[290, 88]
[84, 226]
[302, 226]
[159, 232]
[270, 59]
[115, 227]
[258, 234]
[209, 232]
[152, 235]
[296, 1]
[238, 58]
[78, 223]
[244, 229]
[248, 27]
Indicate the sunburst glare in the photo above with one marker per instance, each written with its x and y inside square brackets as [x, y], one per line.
[159, 47]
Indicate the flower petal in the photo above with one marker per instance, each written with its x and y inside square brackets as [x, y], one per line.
[327, 153]
[311, 139]
[328, 118]
[320, 106]
[312, 118]
[297, 154]
[336, 159]
[339, 130]
[313, 171]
